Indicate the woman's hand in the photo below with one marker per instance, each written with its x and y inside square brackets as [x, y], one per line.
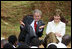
[58, 34]
[22, 23]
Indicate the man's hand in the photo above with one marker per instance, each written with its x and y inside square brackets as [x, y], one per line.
[41, 27]
[22, 23]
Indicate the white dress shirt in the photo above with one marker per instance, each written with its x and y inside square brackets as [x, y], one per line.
[61, 45]
[59, 28]
[32, 24]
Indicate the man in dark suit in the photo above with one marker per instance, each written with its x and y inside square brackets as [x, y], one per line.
[31, 26]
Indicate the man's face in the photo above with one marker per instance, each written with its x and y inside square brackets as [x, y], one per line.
[37, 16]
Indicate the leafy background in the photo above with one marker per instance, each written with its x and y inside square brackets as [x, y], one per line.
[13, 11]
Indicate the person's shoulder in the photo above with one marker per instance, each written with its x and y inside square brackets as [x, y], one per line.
[50, 22]
[28, 19]
[62, 23]
[29, 16]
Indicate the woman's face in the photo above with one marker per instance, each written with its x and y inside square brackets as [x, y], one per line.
[37, 16]
[56, 19]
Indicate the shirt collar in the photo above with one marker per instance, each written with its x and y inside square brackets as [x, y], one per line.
[58, 23]
[36, 22]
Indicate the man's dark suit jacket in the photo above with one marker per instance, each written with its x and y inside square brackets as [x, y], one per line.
[27, 20]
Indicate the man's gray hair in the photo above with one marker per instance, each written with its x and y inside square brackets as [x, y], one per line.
[37, 11]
